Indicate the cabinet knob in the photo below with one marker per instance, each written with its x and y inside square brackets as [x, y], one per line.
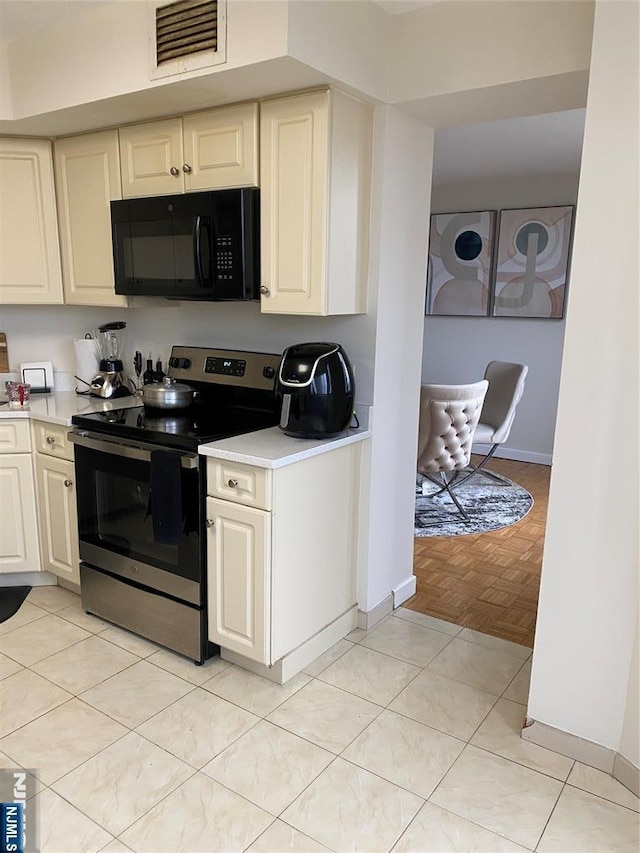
[233, 483]
[50, 439]
[68, 483]
[210, 522]
[264, 290]
[186, 168]
[175, 172]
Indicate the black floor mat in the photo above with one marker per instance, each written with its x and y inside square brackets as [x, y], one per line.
[11, 599]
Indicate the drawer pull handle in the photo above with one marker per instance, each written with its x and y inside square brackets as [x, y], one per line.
[173, 171]
[233, 483]
[186, 168]
[210, 522]
[68, 483]
[264, 290]
[50, 439]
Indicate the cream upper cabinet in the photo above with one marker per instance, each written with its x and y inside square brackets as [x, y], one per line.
[221, 148]
[207, 150]
[19, 549]
[29, 253]
[315, 175]
[151, 158]
[87, 179]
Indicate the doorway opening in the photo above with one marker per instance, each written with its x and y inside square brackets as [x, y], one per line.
[489, 582]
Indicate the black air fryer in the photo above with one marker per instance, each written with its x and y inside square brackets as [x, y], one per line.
[317, 390]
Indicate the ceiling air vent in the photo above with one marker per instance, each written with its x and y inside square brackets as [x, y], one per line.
[185, 28]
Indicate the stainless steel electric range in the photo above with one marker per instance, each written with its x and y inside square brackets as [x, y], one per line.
[141, 491]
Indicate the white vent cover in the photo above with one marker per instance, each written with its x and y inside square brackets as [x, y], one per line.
[188, 35]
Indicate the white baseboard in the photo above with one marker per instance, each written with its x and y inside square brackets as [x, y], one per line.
[585, 751]
[515, 454]
[404, 591]
[291, 663]
[28, 579]
[368, 618]
[627, 774]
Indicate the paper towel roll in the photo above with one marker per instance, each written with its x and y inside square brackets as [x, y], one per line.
[87, 362]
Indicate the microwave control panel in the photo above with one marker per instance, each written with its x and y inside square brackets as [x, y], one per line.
[224, 258]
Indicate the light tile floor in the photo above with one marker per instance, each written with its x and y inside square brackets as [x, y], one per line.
[405, 738]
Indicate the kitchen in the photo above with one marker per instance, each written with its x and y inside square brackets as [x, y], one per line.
[392, 324]
[226, 221]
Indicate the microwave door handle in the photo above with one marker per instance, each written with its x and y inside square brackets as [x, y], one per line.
[197, 251]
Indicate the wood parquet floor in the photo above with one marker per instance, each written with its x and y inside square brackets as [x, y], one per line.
[490, 581]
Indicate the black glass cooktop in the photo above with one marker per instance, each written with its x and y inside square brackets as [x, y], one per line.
[181, 428]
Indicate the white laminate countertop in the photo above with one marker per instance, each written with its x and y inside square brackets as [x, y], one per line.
[271, 448]
[60, 406]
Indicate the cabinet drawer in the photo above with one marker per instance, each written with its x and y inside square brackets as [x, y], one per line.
[240, 483]
[52, 439]
[14, 436]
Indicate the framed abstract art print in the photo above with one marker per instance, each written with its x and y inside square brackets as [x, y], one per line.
[459, 266]
[532, 262]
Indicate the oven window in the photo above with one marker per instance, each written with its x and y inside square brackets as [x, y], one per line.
[116, 512]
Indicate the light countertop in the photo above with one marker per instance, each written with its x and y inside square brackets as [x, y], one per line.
[271, 448]
[60, 406]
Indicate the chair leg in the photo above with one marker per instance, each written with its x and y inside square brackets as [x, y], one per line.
[478, 469]
[446, 487]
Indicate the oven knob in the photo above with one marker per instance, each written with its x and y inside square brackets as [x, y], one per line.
[185, 363]
[268, 372]
[174, 361]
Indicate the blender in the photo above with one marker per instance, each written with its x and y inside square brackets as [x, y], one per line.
[110, 381]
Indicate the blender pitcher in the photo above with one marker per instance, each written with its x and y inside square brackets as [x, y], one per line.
[111, 380]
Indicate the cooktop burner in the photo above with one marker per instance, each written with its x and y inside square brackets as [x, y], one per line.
[181, 428]
[235, 395]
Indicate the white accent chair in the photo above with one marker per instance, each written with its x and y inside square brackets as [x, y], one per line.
[449, 415]
[506, 387]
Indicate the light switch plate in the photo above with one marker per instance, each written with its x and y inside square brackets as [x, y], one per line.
[39, 374]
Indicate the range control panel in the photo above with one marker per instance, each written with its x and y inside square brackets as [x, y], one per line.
[224, 367]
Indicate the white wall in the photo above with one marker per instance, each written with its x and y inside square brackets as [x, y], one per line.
[469, 61]
[588, 609]
[457, 349]
[401, 212]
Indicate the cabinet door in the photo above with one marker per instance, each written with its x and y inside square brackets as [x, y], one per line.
[87, 180]
[151, 158]
[29, 254]
[239, 578]
[19, 551]
[221, 148]
[58, 517]
[293, 177]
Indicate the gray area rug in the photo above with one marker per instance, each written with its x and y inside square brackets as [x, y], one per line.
[490, 506]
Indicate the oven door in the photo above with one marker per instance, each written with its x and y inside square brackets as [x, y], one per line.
[139, 514]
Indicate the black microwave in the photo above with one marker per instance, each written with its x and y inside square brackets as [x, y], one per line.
[201, 246]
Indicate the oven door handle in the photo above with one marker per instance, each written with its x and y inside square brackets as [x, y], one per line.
[130, 451]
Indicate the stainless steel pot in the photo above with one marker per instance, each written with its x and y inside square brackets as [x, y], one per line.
[167, 394]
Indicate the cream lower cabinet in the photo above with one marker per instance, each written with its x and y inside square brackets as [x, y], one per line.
[281, 551]
[87, 170]
[19, 550]
[57, 511]
[208, 150]
[315, 175]
[29, 253]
